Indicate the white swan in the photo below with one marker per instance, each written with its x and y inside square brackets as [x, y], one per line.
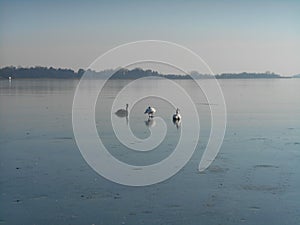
[122, 112]
[150, 111]
[177, 116]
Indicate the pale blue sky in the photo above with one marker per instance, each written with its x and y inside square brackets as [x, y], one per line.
[231, 36]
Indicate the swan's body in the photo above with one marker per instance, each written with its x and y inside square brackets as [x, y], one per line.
[177, 116]
[122, 112]
[150, 111]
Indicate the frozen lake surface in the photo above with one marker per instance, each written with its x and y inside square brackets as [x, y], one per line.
[255, 178]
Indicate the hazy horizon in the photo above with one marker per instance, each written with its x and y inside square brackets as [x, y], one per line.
[232, 37]
[159, 69]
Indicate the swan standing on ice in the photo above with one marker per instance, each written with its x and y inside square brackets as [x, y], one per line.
[177, 116]
[150, 111]
[122, 112]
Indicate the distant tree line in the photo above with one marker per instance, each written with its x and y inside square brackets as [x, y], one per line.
[50, 72]
[38, 72]
[245, 75]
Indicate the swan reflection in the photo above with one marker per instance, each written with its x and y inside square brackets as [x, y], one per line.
[150, 122]
[177, 123]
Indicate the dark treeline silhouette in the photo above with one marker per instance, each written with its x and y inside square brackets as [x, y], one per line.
[245, 75]
[45, 72]
[38, 72]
